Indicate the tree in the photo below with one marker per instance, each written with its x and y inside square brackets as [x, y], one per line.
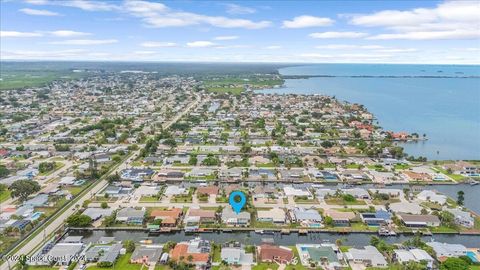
[328, 221]
[454, 264]
[104, 205]
[460, 197]
[79, 220]
[23, 188]
[3, 171]
[129, 245]
[46, 167]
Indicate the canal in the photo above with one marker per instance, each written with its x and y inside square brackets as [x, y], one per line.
[251, 238]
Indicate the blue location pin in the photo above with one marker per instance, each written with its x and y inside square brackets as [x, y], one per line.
[237, 206]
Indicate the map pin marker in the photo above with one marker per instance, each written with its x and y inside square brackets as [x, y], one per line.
[237, 204]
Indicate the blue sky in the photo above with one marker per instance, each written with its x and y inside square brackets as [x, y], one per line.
[244, 31]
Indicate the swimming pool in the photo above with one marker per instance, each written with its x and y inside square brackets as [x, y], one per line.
[35, 215]
[472, 256]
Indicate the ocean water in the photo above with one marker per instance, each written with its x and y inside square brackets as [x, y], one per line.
[441, 101]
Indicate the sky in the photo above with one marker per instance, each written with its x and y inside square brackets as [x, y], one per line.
[420, 32]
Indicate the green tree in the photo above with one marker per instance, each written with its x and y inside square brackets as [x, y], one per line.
[460, 197]
[3, 171]
[104, 205]
[129, 245]
[454, 264]
[23, 188]
[79, 220]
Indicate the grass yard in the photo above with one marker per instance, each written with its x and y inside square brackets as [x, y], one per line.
[341, 201]
[4, 195]
[148, 199]
[265, 266]
[123, 263]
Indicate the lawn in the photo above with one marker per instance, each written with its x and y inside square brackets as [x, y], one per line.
[216, 257]
[4, 195]
[6, 241]
[123, 263]
[265, 266]
[75, 190]
[477, 223]
[148, 199]
[341, 201]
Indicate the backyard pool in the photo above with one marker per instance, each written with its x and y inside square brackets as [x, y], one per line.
[472, 256]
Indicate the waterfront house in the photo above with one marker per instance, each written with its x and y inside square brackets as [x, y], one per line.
[306, 217]
[463, 168]
[340, 219]
[64, 253]
[369, 256]
[97, 213]
[358, 193]
[146, 255]
[445, 250]
[274, 215]
[404, 256]
[234, 254]
[375, 219]
[271, 253]
[169, 218]
[291, 191]
[431, 196]
[230, 218]
[327, 256]
[419, 221]
[103, 253]
[208, 190]
[462, 218]
[197, 249]
[130, 216]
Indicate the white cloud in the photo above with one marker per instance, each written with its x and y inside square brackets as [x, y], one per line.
[38, 12]
[325, 35]
[348, 47]
[307, 21]
[226, 37]
[200, 44]
[86, 5]
[431, 35]
[85, 42]
[237, 9]
[273, 47]
[157, 44]
[145, 52]
[16, 34]
[157, 15]
[68, 33]
[448, 20]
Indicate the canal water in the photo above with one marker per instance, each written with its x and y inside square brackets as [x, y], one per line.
[252, 238]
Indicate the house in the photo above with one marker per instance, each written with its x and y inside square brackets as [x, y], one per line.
[103, 253]
[209, 190]
[271, 253]
[164, 175]
[358, 193]
[417, 176]
[146, 255]
[97, 213]
[169, 217]
[462, 218]
[416, 255]
[375, 219]
[406, 207]
[419, 221]
[136, 174]
[369, 256]
[231, 218]
[291, 191]
[274, 215]
[175, 190]
[445, 250]
[197, 249]
[340, 219]
[306, 217]
[131, 216]
[67, 181]
[326, 255]
[64, 253]
[37, 201]
[203, 216]
[235, 254]
[431, 196]
[463, 168]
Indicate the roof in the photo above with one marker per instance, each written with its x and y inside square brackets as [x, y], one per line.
[96, 213]
[228, 213]
[310, 214]
[112, 253]
[130, 212]
[210, 190]
[152, 253]
[368, 253]
[274, 213]
[407, 218]
[321, 252]
[65, 250]
[171, 213]
[201, 213]
[269, 252]
[181, 249]
[337, 215]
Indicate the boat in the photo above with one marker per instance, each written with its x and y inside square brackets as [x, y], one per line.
[146, 241]
[259, 231]
[285, 231]
[386, 232]
[302, 231]
[473, 182]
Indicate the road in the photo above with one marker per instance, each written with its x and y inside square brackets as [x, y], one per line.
[39, 239]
